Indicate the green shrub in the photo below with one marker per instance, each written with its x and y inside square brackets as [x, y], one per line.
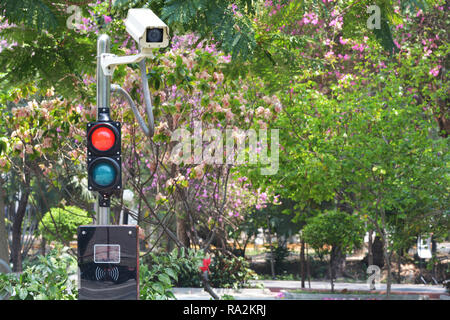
[48, 279]
[229, 272]
[190, 275]
[61, 224]
[159, 272]
[225, 271]
[183, 266]
[280, 254]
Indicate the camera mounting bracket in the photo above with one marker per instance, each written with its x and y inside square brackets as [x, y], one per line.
[110, 61]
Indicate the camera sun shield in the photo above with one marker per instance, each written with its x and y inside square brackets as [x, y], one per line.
[147, 29]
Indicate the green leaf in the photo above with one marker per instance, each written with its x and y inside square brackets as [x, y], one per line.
[170, 294]
[158, 287]
[32, 13]
[23, 293]
[41, 296]
[171, 273]
[165, 279]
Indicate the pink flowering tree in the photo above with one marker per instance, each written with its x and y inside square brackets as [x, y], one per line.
[195, 106]
[42, 141]
[190, 201]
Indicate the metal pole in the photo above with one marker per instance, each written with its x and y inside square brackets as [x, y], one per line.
[103, 104]
[103, 216]
[103, 81]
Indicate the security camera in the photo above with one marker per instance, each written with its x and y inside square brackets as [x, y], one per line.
[147, 29]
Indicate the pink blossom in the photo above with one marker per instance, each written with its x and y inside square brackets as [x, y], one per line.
[435, 71]
[234, 8]
[343, 41]
[263, 196]
[226, 59]
[329, 54]
[396, 44]
[359, 48]
[107, 19]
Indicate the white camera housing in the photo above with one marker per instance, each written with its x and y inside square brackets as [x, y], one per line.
[147, 29]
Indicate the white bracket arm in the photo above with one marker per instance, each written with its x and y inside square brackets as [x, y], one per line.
[110, 61]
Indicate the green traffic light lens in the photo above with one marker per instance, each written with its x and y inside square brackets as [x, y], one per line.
[104, 174]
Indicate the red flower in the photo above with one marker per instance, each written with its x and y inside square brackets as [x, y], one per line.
[206, 263]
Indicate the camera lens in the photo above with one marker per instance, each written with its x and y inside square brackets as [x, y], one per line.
[154, 35]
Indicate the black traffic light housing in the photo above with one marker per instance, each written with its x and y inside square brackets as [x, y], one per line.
[104, 158]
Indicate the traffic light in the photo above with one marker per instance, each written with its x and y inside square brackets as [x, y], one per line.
[104, 158]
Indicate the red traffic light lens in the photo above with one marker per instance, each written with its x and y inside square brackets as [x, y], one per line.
[103, 139]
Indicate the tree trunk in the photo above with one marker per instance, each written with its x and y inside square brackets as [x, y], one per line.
[302, 261]
[387, 261]
[272, 255]
[331, 270]
[308, 271]
[378, 252]
[16, 247]
[388, 282]
[43, 244]
[182, 230]
[370, 249]
[182, 222]
[169, 243]
[207, 286]
[339, 263]
[4, 254]
[443, 116]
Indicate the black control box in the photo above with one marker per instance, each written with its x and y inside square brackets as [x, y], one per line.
[108, 262]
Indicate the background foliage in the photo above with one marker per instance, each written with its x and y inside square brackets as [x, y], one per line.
[363, 117]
